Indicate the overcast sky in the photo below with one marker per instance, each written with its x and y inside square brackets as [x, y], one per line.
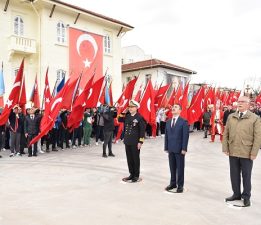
[220, 39]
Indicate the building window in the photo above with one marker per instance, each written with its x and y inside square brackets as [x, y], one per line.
[147, 78]
[61, 32]
[16, 71]
[60, 75]
[107, 44]
[128, 79]
[18, 26]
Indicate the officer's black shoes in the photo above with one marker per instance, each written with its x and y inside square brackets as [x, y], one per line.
[29, 155]
[180, 190]
[125, 179]
[104, 155]
[233, 198]
[55, 150]
[0, 156]
[134, 179]
[247, 202]
[111, 154]
[170, 187]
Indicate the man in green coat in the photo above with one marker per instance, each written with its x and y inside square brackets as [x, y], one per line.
[242, 141]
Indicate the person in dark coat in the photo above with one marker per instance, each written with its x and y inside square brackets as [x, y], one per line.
[15, 126]
[176, 143]
[227, 113]
[108, 116]
[31, 130]
[206, 122]
[135, 127]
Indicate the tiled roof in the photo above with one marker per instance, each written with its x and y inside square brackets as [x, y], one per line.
[153, 63]
[92, 13]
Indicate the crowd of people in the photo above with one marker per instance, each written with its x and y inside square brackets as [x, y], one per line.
[100, 124]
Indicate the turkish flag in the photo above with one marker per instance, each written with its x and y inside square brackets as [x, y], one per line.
[52, 112]
[258, 99]
[172, 98]
[47, 92]
[70, 93]
[85, 54]
[209, 97]
[35, 95]
[79, 106]
[178, 95]
[94, 93]
[147, 109]
[13, 96]
[22, 99]
[161, 93]
[126, 96]
[184, 102]
[196, 110]
[138, 95]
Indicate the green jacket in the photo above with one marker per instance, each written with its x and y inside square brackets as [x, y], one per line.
[242, 137]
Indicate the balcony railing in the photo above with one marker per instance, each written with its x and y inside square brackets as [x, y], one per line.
[22, 45]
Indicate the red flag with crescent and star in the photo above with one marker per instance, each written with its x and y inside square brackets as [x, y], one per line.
[14, 95]
[85, 54]
[53, 109]
[147, 109]
[126, 96]
[196, 110]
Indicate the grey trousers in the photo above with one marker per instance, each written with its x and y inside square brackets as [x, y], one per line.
[15, 142]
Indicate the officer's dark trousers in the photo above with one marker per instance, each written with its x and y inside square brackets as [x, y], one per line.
[133, 159]
[238, 166]
[176, 165]
[107, 141]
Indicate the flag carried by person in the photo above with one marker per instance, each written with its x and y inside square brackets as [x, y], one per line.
[79, 106]
[196, 110]
[13, 98]
[126, 96]
[34, 98]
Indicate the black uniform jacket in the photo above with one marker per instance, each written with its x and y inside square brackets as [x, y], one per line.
[134, 128]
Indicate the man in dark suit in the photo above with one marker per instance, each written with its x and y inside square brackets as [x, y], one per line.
[31, 130]
[176, 143]
[133, 139]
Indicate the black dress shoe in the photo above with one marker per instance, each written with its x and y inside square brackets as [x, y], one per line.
[170, 187]
[1, 156]
[127, 178]
[35, 155]
[104, 155]
[29, 155]
[55, 150]
[247, 202]
[233, 198]
[111, 154]
[180, 189]
[134, 179]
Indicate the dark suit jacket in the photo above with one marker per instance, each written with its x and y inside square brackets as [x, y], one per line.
[176, 138]
[32, 127]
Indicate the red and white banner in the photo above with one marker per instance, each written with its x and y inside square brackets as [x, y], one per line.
[85, 55]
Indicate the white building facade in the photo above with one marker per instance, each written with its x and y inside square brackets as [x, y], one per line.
[38, 31]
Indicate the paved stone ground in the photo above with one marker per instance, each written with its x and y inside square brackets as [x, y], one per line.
[78, 186]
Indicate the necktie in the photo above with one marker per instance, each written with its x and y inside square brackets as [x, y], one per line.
[32, 117]
[173, 122]
[241, 115]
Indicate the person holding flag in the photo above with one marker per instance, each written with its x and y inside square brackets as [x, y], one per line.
[133, 139]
